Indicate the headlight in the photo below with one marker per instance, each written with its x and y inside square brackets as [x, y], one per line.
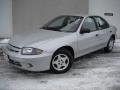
[31, 51]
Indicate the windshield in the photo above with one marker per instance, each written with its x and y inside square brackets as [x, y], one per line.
[64, 24]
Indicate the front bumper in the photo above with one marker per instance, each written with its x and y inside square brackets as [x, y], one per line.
[29, 62]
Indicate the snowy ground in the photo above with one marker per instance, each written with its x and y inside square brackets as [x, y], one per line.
[95, 71]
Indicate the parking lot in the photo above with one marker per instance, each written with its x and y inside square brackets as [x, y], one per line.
[95, 71]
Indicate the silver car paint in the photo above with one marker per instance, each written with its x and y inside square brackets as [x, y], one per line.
[41, 36]
[50, 41]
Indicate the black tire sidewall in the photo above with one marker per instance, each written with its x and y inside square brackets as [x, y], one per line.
[107, 49]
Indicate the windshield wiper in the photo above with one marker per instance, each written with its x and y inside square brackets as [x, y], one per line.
[51, 28]
[46, 28]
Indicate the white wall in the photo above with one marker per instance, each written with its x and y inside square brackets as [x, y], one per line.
[5, 18]
[99, 7]
[29, 14]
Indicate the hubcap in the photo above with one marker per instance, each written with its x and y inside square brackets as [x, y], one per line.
[60, 62]
[111, 44]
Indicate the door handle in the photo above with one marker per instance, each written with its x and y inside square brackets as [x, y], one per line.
[97, 35]
[110, 31]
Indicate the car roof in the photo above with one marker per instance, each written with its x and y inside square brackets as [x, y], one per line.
[83, 15]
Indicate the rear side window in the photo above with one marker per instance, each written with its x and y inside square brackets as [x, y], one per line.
[101, 23]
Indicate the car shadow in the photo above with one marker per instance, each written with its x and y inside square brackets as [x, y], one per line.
[96, 59]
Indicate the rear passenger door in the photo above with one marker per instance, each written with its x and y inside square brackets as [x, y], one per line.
[104, 29]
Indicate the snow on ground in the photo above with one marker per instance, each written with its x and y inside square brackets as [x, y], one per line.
[117, 44]
[95, 71]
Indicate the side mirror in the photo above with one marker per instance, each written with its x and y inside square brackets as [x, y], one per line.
[84, 30]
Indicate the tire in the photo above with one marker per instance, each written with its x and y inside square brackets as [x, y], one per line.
[110, 45]
[61, 61]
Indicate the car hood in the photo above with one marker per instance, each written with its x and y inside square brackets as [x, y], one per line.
[41, 36]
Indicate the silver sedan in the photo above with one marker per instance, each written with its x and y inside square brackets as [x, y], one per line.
[56, 44]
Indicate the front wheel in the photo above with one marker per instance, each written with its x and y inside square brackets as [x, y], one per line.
[110, 45]
[61, 61]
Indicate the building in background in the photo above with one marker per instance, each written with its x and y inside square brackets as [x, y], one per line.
[6, 23]
[109, 9]
[18, 16]
[31, 14]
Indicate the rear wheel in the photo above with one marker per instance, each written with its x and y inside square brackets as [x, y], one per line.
[110, 45]
[61, 61]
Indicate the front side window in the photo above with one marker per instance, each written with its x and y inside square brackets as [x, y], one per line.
[64, 24]
[101, 23]
[89, 24]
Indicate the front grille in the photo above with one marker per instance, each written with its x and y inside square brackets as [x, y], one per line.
[13, 48]
[15, 63]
